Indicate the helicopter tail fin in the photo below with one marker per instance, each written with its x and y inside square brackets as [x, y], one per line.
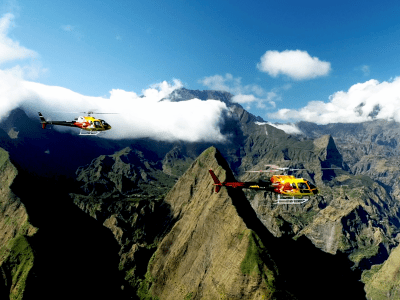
[42, 120]
[217, 183]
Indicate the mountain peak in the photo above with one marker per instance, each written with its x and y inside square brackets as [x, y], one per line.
[183, 94]
[210, 251]
[329, 153]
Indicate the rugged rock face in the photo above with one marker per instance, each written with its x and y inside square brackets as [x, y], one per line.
[176, 162]
[143, 224]
[219, 249]
[16, 254]
[210, 253]
[127, 172]
[124, 192]
[382, 282]
[372, 149]
[352, 214]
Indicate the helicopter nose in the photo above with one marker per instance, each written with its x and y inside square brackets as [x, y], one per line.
[315, 191]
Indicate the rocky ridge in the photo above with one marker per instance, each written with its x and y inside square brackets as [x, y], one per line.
[382, 281]
[353, 215]
[16, 254]
[210, 252]
[372, 149]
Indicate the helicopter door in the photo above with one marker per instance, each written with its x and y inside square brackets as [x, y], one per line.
[313, 188]
[304, 189]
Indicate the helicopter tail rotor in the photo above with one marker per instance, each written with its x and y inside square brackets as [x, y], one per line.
[217, 183]
[42, 120]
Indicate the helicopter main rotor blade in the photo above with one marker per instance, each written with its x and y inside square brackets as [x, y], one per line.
[263, 171]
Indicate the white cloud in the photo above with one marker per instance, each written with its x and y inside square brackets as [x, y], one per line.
[243, 94]
[296, 64]
[138, 116]
[362, 102]
[222, 83]
[288, 128]
[243, 98]
[11, 50]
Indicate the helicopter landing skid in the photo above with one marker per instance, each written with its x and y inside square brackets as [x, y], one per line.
[290, 200]
[84, 132]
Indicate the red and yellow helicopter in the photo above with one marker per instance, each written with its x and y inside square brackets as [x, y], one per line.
[88, 124]
[290, 190]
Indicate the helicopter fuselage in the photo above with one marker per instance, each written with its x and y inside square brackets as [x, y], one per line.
[285, 185]
[90, 123]
[288, 185]
[86, 123]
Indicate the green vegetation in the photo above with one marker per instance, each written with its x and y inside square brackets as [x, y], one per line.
[188, 296]
[367, 275]
[254, 261]
[241, 235]
[343, 244]
[302, 218]
[19, 262]
[3, 158]
[144, 291]
[364, 252]
[143, 285]
[355, 193]
[208, 151]
[382, 281]
[178, 167]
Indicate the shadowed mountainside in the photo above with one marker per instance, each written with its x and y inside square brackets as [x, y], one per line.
[16, 254]
[124, 191]
[219, 248]
[73, 255]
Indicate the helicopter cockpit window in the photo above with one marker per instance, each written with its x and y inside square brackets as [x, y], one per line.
[311, 185]
[302, 186]
[294, 185]
[96, 123]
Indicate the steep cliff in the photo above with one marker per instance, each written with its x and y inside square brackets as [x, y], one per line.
[382, 282]
[352, 214]
[126, 172]
[370, 148]
[16, 254]
[210, 253]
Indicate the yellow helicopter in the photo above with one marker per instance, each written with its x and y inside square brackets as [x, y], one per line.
[290, 190]
[88, 124]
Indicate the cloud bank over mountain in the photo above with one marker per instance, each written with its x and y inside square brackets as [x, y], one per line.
[362, 102]
[137, 116]
[152, 115]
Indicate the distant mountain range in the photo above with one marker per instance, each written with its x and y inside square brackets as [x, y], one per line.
[150, 207]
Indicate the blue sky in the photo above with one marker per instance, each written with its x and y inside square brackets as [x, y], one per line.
[280, 58]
